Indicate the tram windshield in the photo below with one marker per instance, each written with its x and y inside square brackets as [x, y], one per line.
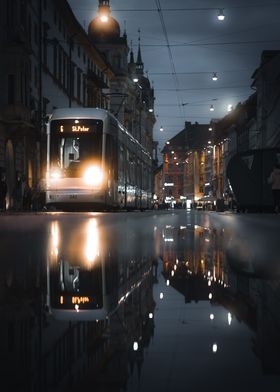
[74, 285]
[74, 143]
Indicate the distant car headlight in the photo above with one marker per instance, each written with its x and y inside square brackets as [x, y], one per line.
[93, 175]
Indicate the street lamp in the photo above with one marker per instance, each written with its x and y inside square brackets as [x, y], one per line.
[214, 77]
[161, 129]
[221, 15]
[211, 108]
[104, 10]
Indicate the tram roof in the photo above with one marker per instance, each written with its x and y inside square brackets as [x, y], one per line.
[79, 113]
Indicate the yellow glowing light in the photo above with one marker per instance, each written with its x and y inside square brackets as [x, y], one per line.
[54, 238]
[92, 243]
[93, 176]
[104, 18]
[55, 174]
[61, 299]
[79, 300]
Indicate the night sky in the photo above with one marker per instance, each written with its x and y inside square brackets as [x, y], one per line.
[199, 45]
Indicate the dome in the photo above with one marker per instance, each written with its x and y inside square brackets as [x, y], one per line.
[99, 31]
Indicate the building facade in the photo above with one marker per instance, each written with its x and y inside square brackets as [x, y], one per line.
[49, 61]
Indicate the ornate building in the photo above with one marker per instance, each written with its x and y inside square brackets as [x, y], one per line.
[130, 92]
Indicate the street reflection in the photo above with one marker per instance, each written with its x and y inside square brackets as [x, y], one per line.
[82, 299]
[200, 264]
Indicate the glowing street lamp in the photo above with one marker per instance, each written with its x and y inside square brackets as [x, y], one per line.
[104, 10]
[221, 15]
[214, 77]
[161, 129]
[211, 108]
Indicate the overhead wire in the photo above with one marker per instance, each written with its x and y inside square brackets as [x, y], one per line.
[173, 68]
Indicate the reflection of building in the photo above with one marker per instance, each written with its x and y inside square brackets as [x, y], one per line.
[194, 261]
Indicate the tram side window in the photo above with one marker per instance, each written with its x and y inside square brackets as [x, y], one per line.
[111, 156]
[121, 164]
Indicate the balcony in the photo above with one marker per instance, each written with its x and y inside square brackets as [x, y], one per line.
[16, 113]
[96, 80]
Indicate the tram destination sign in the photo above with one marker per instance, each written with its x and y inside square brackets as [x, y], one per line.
[75, 126]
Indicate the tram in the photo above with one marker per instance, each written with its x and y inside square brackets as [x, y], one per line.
[94, 162]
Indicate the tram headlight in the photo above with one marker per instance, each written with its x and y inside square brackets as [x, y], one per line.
[93, 175]
[55, 174]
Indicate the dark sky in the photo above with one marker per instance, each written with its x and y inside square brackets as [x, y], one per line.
[199, 46]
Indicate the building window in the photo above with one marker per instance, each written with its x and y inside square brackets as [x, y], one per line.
[11, 89]
[35, 76]
[36, 33]
[79, 73]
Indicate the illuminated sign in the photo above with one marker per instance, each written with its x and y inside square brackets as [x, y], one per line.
[80, 300]
[78, 128]
[82, 126]
[75, 128]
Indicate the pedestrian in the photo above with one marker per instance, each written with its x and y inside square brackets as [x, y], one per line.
[17, 194]
[27, 196]
[274, 180]
[3, 193]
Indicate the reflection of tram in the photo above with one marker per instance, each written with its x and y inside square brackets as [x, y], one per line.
[87, 281]
[92, 161]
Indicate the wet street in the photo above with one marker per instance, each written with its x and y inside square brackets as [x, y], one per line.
[142, 301]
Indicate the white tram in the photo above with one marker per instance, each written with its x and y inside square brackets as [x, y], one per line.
[94, 162]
